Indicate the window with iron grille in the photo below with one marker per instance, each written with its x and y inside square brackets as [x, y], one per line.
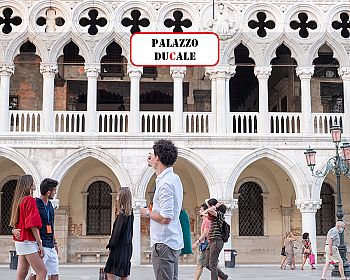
[325, 216]
[112, 63]
[8, 191]
[71, 54]
[99, 209]
[251, 210]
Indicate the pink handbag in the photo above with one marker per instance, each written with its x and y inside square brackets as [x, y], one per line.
[312, 259]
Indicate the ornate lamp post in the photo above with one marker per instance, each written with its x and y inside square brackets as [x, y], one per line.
[338, 164]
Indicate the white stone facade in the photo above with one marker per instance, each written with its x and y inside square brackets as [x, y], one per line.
[215, 157]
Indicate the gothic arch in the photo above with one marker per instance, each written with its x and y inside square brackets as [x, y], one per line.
[61, 169]
[57, 49]
[120, 39]
[254, 51]
[13, 49]
[22, 162]
[195, 160]
[289, 166]
[339, 52]
[296, 51]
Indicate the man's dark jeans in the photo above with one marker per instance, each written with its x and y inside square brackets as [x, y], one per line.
[212, 259]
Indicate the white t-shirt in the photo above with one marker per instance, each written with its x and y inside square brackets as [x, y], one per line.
[167, 201]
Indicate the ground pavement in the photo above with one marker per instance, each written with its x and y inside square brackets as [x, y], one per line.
[261, 272]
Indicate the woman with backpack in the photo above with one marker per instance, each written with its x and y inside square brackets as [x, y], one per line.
[216, 242]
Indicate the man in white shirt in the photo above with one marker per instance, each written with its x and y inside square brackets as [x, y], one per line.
[165, 227]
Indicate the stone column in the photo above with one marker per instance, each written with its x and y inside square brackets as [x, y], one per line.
[223, 76]
[178, 74]
[136, 241]
[286, 215]
[48, 70]
[231, 205]
[344, 73]
[263, 73]
[92, 71]
[212, 76]
[6, 70]
[305, 73]
[134, 117]
[61, 232]
[308, 209]
[84, 195]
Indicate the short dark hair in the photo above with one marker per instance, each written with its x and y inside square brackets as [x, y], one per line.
[166, 151]
[47, 185]
[305, 235]
[222, 208]
[204, 206]
[212, 202]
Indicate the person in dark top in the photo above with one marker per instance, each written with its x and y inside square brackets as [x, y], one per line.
[48, 188]
[216, 216]
[120, 243]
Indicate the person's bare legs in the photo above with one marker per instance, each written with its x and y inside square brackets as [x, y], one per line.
[124, 278]
[53, 277]
[198, 272]
[303, 263]
[36, 262]
[341, 269]
[110, 276]
[22, 268]
[325, 269]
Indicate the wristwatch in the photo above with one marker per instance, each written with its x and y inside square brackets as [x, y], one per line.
[147, 213]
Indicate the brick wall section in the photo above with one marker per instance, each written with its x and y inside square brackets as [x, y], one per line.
[60, 96]
[27, 82]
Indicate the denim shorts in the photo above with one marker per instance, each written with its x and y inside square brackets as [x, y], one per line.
[26, 247]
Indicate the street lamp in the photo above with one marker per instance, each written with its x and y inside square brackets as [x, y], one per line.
[338, 164]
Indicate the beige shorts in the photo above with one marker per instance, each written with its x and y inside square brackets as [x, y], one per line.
[335, 254]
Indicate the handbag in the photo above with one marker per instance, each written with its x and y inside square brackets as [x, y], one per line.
[203, 245]
[312, 259]
[283, 251]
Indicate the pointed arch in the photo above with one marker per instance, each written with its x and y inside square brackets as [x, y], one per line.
[22, 162]
[63, 167]
[288, 166]
[339, 52]
[194, 159]
[57, 49]
[120, 39]
[13, 48]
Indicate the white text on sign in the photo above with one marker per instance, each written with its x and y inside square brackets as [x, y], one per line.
[174, 49]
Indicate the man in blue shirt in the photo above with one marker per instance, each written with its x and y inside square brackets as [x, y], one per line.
[48, 188]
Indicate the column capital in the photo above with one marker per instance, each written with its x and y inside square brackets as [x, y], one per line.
[48, 68]
[7, 69]
[178, 72]
[138, 204]
[221, 71]
[308, 205]
[134, 71]
[305, 72]
[287, 211]
[55, 203]
[262, 72]
[344, 73]
[92, 70]
[231, 204]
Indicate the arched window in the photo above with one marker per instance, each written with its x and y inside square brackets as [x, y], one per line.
[99, 209]
[8, 191]
[251, 210]
[325, 216]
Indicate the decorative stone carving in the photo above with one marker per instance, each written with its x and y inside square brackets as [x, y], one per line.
[262, 72]
[178, 72]
[8, 69]
[223, 71]
[134, 71]
[305, 72]
[308, 205]
[231, 205]
[55, 203]
[344, 73]
[92, 70]
[138, 204]
[222, 24]
[46, 68]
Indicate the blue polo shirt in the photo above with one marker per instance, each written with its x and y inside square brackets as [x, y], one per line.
[47, 216]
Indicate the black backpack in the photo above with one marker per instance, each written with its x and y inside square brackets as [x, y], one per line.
[225, 231]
